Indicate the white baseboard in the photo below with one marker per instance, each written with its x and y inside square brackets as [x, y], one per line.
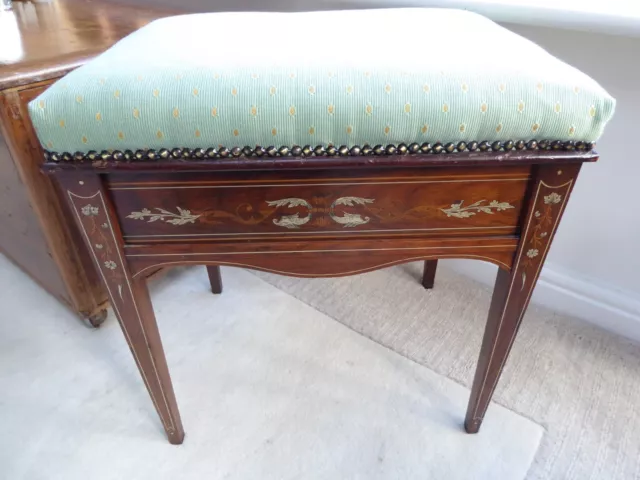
[570, 293]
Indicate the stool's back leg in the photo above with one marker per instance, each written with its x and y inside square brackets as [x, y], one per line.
[429, 273]
[547, 199]
[215, 278]
[129, 297]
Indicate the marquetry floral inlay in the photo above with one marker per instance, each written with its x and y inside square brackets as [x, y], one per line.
[89, 210]
[458, 210]
[350, 219]
[103, 245]
[294, 220]
[182, 217]
[538, 241]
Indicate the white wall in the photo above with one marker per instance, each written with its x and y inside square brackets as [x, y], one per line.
[593, 269]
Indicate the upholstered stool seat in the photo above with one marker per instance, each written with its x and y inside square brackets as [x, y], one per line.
[405, 77]
[319, 145]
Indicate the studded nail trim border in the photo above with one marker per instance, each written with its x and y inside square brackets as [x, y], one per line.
[318, 151]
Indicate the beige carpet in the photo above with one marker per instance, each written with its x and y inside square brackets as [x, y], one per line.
[269, 388]
[581, 383]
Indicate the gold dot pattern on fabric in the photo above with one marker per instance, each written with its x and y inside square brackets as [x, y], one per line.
[576, 90]
[539, 86]
[159, 134]
[121, 135]
[61, 123]
[407, 108]
[236, 132]
[349, 89]
[136, 113]
[312, 130]
[387, 88]
[274, 131]
[49, 144]
[272, 90]
[99, 117]
[156, 93]
[349, 129]
[484, 107]
[499, 128]
[572, 130]
[520, 106]
[41, 104]
[424, 129]
[176, 112]
[116, 94]
[462, 127]
[254, 111]
[292, 111]
[592, 111]
[502, 88]
[312, 89]
[557, 108]
[464, 87]
[234, 91]
[216, 76]
[214, 112]
[195, 92]
[197, 133]
[331, 109]
[535, 127]
[101, 81]
[84, 139]
[368, 109]
[426, 88]
[445, 108]
[78, 98]
[387, 130]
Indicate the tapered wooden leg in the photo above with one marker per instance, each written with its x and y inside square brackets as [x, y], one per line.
[129, 297]
[215, 278]
[429, 273]
[550, 191]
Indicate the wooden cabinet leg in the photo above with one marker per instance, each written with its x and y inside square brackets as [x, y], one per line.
[215, 278]
[548, 198]
[429, 273]
[129, 297]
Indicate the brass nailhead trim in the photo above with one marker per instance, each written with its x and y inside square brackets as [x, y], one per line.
[318, 151]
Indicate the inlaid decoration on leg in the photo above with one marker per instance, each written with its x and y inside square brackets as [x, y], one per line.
[129, 297]
[513, 289]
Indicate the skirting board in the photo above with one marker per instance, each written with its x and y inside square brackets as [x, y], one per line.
[569, 293]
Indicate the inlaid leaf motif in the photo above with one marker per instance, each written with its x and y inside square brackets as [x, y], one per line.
[289, 202]
[349, 201]
[350, 219]
[458, 210]
[181, 218]
[291, 221]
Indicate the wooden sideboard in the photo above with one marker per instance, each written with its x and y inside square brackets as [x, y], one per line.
[40, 42]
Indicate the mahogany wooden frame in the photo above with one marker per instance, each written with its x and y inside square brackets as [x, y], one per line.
[105, 198]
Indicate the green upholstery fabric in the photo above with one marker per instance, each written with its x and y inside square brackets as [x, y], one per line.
[341, 78]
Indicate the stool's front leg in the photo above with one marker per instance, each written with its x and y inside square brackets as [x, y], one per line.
[546, 203]
[129, 297]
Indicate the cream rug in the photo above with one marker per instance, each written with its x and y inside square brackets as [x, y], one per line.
[580, 382]
[269, 388]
